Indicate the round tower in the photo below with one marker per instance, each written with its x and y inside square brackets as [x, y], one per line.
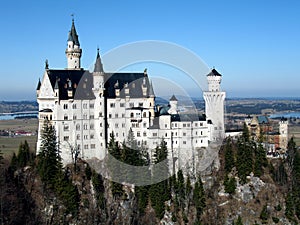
[283, 133]
[214, 105]
[73, 51]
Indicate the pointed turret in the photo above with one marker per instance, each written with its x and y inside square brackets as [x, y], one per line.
[73, 51]
[74, 34]
[173, 98]
[98, 64]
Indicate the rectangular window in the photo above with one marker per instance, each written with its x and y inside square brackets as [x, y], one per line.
[116, 125]
[93, 146]
[131, 104]
[138, 134]
[122, 105]
[66, 138]
[91, 117]
[65, 117]
[184, 125]
[184, 142]
[86, 146]
[92, 126]
[92, 136]
[154, 134]
[123, 115]
[109, 115]
[140, 104]
[65, 106]
[116, 115]
[112, 105]
[91, 105]
[123, 125]
[74, 106]
[66, 127]
[74, 117]
[184, 134]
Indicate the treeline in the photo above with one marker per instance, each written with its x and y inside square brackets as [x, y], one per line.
[176, 189]
[242, 158]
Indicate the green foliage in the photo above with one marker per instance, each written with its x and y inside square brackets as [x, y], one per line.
[229, 184]
[275, 219]
[260, 160]
[289, 207]
[49, 160]
[99, 189]
[239, 221]
[68, 193]
[142, 193]
[88, 172]
[160, 192]
[24, 156]
[279, 174]
[115, 151]
[264, 215]
[278, 208]
[199, 197]
[229, 156]
[244, 156]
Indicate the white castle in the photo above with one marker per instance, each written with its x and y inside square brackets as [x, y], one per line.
[86, 107]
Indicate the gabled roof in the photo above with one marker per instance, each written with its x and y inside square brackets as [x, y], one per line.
[214, 72]
[262, 119]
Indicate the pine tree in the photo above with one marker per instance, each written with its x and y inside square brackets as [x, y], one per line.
[115, 151]
[239, 221]
[24, 156]
[229, 156]
[49, 160]
[199, 197]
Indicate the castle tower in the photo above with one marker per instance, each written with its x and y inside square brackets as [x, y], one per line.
[99, 107]
[214, 105]
[173, 105]
[73, 51]
[283, 133]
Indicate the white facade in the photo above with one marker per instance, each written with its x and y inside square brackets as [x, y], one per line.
[86, 108]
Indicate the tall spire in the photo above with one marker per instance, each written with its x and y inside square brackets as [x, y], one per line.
[98, 65]
[74, 34]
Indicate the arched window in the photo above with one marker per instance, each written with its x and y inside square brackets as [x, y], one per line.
[77, 127]
[144, 114]
[131, 115]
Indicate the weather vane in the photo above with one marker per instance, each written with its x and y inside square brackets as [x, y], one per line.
[72, 15]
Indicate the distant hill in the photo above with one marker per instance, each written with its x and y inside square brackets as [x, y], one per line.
[18, 106]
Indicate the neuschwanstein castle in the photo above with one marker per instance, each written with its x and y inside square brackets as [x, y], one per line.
[86, 107]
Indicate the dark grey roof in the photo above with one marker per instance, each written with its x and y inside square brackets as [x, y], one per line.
[173, 98]
[74, 34]
[132, 81]
[214, 72]
[151, 91]
[39, 85]
[98, 65]
[188, 117]
[81, 83]
[46, 110]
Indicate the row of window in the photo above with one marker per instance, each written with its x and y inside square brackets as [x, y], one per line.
[84, 106]
[187, 124]
[131, 104]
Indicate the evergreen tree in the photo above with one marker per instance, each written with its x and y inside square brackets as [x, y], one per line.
[264, 215]
[115, 151]
[160, 192]
[199, 197]
[244, 156]
[260, 160]
[229, 156]
[229, 184]
[239, 221]
[49, 160]
[24, 156]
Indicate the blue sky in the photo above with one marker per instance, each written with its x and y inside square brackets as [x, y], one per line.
[254, 44]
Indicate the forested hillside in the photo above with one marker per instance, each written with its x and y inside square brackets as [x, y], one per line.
[246, 189]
